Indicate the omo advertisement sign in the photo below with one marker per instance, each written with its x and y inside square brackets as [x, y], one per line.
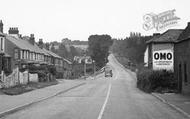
[163, 59]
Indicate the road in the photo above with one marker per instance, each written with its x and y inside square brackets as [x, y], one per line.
[103, 98]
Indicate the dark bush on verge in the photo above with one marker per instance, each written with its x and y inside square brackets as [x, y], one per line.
[156, 81]
[45, 73]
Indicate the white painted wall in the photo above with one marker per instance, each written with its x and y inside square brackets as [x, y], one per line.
[163, 56]
[146, 57]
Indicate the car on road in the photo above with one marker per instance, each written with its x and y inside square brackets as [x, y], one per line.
[108, 72]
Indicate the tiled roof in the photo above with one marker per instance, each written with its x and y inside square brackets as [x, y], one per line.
[24, 44]
[69, 62]
[153, 39]
[185, 34]
[51, 53]
[17, 42]
[170, 36]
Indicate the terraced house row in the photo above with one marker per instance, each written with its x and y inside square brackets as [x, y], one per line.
[20, 51]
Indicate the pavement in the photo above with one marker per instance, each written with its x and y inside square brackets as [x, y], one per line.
[10, 104]
[114, 97]
[179, 102]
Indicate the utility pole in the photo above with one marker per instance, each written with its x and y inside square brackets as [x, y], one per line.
[85, 65]
[94, 67]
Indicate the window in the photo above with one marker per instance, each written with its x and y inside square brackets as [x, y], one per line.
[16, 54]
[185, 72]
[20, 54]
[23, 54]
[7, 65]
[27, 55]
[1, 44]
[31, 58]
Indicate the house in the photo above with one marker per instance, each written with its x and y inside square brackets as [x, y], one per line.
[53, 59]
[82, 65]
[160, 50]
[23, 51]
[2, 47]
[56, 61]
[182, 61]
[67, 68]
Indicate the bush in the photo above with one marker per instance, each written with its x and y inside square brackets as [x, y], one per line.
[45, 73]
[52, 70]
[150, 81]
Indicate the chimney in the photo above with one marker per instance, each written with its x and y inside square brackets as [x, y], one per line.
[188, 24]
[13, 31]
[1, 26]
[47, 46]
[32, 39]
[20, 35]
[40, 43]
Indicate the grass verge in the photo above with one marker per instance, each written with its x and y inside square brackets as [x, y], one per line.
[20, 89]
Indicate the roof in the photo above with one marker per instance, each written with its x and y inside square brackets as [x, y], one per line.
[170, 36]
[51, 53]
[17, 42]
[185, 34]
[24, 44]
[153, 39]
[69, 62]
[2, 34]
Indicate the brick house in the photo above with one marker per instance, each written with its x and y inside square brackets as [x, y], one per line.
[53, 59]
[182, 61]
[2, 39]
[161, 50]
[23, 51]
[4, 57]
[56, 61]
[18, 51]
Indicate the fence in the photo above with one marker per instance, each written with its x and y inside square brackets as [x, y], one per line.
[17, 78]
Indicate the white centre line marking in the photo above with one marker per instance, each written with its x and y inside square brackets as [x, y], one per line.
[105, 102]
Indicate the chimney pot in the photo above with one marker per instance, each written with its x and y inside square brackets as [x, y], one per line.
[13, 30]
[32, 39]
[40, 43]
[1, 26]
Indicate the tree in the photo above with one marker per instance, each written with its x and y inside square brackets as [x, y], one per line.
[98, 46]
[53, 48]
[132, 47]
[62, 51]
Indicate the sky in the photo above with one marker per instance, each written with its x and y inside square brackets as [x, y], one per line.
[53, 20]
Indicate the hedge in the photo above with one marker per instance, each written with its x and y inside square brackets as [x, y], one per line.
[156, 81]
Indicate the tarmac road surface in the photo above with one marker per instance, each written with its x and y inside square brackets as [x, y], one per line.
[103, 98]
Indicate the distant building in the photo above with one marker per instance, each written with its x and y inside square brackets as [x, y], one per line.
[80, 59]
[68, 66]
[79, 64]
